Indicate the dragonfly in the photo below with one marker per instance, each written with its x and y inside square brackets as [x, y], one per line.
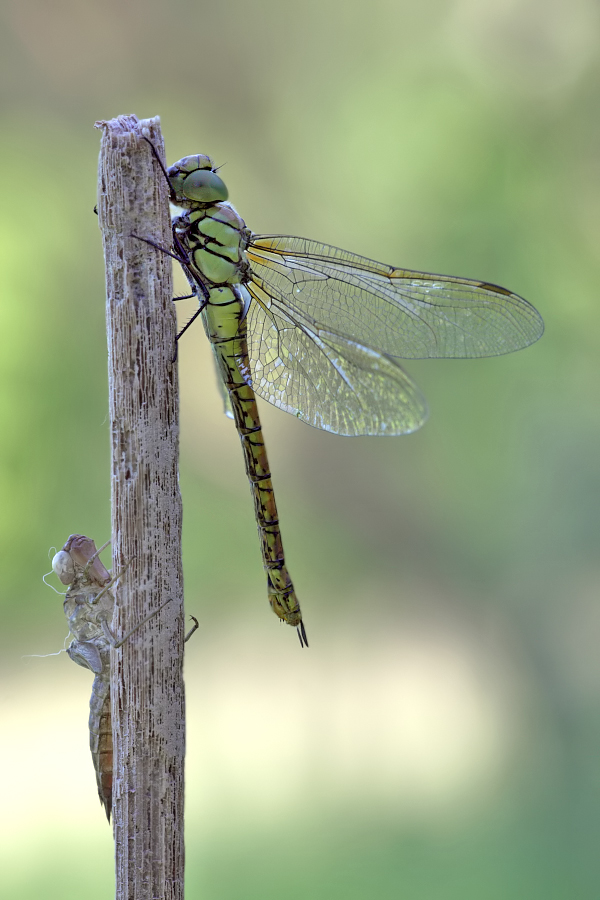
[317, 332]
[89, 606]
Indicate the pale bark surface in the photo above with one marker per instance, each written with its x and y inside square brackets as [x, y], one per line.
[146, 672]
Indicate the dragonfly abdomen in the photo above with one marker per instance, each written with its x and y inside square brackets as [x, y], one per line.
[226, 329]
[282, 596]
[100, 727]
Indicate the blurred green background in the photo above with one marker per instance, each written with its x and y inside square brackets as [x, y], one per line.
[440, 740]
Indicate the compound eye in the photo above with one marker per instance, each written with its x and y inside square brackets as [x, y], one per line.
[204, 186]
[64, 567]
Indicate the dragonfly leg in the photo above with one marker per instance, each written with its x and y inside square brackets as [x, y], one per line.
[192, 320]
[110, 636]
[185, 327]
[192, 630]
[108, 586]
[158, 160]
[181, 260]
[183, 257]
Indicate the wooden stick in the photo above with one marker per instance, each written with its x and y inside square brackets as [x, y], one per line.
[146, 672]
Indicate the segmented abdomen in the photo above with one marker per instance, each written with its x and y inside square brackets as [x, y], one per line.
[223, 320]
[101, 740]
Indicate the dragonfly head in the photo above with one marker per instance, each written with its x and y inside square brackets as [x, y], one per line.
[194, 181]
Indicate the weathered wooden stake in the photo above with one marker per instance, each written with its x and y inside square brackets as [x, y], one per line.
[146, 672]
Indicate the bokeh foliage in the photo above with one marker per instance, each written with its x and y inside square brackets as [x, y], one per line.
[458, 137]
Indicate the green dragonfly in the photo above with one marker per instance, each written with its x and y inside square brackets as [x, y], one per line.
[316, 331]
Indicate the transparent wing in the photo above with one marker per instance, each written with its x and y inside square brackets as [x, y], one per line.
[325, 379]
[412, 315]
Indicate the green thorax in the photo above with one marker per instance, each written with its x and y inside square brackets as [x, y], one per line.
[212, 233]
[215, 238]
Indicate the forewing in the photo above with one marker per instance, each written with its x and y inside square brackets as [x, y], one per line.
[327, 380]
[412, 315]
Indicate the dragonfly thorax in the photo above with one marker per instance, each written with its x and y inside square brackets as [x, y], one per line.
[215, 238]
